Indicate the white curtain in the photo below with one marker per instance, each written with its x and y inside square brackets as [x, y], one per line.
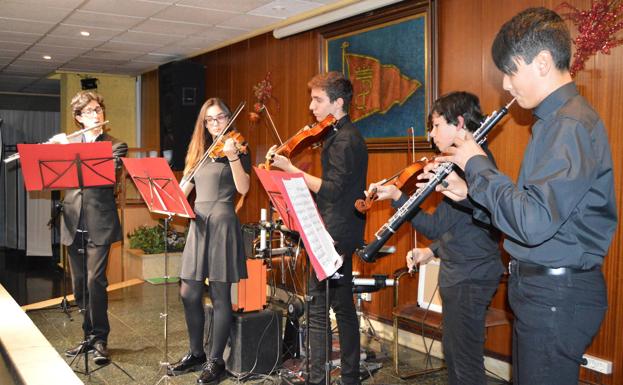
[23, 217]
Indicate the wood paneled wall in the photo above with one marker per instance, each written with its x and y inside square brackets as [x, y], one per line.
[465, 32]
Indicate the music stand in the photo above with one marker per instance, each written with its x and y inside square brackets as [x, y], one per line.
[70, 166]
[162, 194]
[292, 199]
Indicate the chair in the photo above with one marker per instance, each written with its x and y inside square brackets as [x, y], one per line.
[427, 322]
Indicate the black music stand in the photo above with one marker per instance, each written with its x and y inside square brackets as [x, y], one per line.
[71, 166]
[324, 267]
[162, 194]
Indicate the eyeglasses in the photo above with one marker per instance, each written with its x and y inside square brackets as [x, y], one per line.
[92, 111]
[221, 118]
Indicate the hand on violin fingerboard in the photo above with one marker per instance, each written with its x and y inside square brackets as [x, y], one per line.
[230, 149]
[383, 191]
[280, 161]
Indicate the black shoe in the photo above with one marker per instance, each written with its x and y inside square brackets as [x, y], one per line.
[213, 371]
[101, 355]
[187, 364]
[79, 349]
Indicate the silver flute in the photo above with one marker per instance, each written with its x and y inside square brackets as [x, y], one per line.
[15, 156]
[412, 205]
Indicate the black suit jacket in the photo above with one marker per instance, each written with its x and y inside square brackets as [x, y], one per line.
[98, 206]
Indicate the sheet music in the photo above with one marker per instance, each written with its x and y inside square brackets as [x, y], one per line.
[321, 244]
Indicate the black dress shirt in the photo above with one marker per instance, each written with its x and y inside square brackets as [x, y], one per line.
[344, 168]
[468, 249]
[562, 212]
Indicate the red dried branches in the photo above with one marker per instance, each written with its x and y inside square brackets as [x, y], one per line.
[597, 27]
[263, 92]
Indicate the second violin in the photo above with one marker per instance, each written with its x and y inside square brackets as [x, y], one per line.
[404, 180]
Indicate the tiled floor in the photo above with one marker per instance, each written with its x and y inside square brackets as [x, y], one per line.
[137, 338]
[136, 341]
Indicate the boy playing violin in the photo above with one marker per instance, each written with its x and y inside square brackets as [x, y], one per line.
[344, 167]
[470, 257]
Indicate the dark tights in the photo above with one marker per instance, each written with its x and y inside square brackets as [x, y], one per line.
[192, 297]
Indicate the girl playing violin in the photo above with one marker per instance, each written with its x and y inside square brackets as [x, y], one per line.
[214, 247]
[470, 257]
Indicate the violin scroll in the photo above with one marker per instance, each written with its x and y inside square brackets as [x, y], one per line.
[363, 205]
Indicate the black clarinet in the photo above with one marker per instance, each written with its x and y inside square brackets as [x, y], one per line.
[412, 205]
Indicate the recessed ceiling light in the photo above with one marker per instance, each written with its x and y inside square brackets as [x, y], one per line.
[279, 8]
[47, 57]
[85, 33]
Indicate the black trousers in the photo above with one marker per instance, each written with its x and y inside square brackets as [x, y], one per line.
[464, 311]
[556, 318]
[341, 301]
[95, 299]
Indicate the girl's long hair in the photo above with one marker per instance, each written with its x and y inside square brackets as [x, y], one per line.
[201, 139]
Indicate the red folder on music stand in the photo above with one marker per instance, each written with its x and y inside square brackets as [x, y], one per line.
[322, 255]
[67, 166]
[158, 187]
[269, 182]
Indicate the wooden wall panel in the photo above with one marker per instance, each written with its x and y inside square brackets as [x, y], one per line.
[150, 111]
[466, 31]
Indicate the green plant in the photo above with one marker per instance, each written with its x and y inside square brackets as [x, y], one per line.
[150, 239]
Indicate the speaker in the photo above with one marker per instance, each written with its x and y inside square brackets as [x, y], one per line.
[182, 92]
[254, 341]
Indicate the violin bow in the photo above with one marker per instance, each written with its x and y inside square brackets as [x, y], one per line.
[412, 150]
[272, 124]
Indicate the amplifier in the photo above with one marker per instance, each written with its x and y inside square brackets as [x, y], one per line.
[254, 341]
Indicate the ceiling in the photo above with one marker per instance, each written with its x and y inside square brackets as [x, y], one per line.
[127, 37]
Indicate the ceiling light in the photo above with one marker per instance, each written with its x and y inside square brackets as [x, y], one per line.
[352, 9]
[279, 8]
[85, 33]
[47, 57]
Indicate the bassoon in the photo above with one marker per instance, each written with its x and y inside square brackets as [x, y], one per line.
[412, 205]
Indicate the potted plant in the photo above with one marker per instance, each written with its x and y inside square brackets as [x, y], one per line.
[150, 239]
[146, 253]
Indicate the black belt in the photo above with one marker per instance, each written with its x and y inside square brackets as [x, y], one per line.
[524, 269]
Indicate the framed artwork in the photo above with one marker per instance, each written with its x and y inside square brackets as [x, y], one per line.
[389, 59]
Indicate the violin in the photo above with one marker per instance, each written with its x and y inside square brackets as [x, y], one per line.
[405, 180]
[304, 138]
[185, 182]
[239, 141]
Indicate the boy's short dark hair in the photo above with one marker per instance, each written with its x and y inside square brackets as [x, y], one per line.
[528, 33]
[455, 104]
[335, 85]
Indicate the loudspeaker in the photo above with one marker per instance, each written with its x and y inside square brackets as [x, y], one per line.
[88, 83]
[182, 92]
[254, 341]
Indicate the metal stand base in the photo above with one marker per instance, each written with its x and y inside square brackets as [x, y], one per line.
[164, 364]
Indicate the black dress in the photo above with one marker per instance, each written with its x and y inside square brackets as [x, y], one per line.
[214, 247]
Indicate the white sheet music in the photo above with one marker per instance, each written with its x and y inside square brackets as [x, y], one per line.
[320, 243]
